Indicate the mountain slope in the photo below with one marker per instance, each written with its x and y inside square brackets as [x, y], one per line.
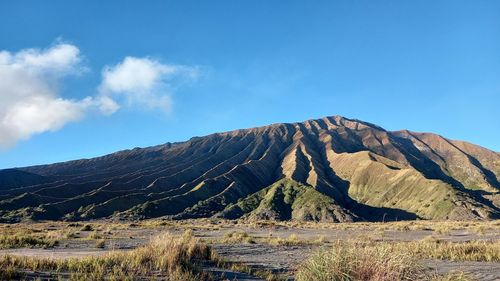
[355, 171]
[286, 200]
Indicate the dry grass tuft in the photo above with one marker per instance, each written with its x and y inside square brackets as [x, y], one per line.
[235, 237]
[101, 244]
[165, 256]
[487, 251]
[20, 240]
[383, 261]
[454, 276]
[291, 240]
[87, 227]
[95, 235]
[359, 261]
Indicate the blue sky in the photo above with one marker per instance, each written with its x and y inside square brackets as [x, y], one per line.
[431, 66]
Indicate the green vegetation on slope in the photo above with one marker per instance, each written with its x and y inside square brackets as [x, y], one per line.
[380, 182]
[285, 200]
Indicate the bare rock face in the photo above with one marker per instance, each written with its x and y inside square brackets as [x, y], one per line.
[330, 169]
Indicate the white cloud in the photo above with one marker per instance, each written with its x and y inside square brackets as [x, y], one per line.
[59, 59]
[29, 99]
[144, 81]
[30, 102]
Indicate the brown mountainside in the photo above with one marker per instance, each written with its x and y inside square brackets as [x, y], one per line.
[333, 169]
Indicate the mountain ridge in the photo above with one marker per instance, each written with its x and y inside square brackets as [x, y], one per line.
[367, 172]
[235, 130]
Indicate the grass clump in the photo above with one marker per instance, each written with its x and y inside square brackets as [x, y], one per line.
[87, 227]
[100, 244]
[188, 234]
[267, 275]
[165, 257]
[481, 229]
[292, 240]
[70, 234]
[235, 237]
[95, 235]
[321, 239]
[453, 276]
[485, 251]
[26, 240]
[360, 261]
[383, 261]
[9, 273]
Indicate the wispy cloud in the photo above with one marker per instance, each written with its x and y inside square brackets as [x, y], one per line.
[31, 102]
[144, 82]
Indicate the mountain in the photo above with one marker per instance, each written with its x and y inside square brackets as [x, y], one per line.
[330, 169]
